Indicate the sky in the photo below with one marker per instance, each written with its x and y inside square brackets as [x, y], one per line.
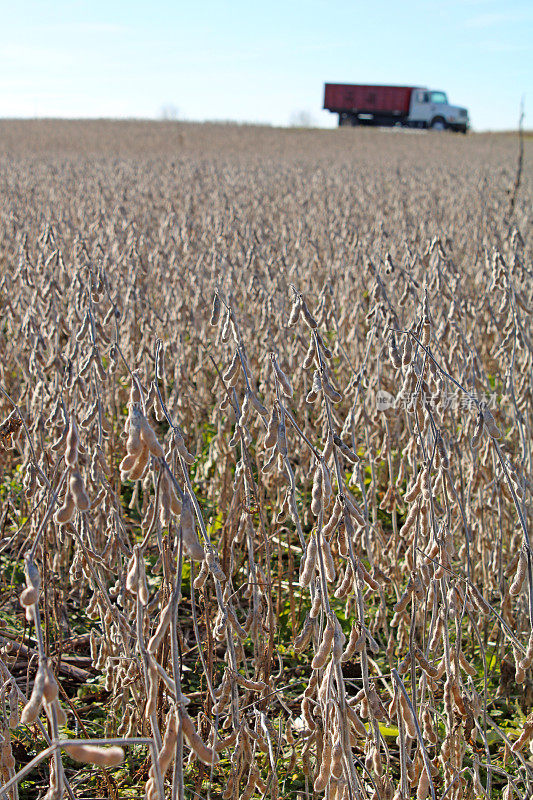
[259, 62]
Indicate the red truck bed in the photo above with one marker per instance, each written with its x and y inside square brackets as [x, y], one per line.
[367, 99]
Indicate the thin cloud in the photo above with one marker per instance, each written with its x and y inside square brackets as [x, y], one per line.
[489, 20]
[502, 47]
[89, 28]
[23, 54]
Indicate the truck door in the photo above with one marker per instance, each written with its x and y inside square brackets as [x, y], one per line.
[420, 110]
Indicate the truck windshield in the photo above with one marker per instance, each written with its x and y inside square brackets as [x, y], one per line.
[439, 97]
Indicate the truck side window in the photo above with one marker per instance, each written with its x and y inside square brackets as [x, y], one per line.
[438, 97]
[426, 97]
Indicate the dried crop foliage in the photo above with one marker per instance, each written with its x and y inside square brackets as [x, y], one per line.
[266, 429]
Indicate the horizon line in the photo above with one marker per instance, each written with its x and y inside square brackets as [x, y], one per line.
[236, 122]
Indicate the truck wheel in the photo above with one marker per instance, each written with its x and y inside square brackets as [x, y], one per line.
[346, 120]
[438, 124]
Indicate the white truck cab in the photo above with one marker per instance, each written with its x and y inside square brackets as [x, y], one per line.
[430, 109]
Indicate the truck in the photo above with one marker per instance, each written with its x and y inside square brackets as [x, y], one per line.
[406, 106]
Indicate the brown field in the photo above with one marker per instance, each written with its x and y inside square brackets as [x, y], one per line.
[265, 463]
